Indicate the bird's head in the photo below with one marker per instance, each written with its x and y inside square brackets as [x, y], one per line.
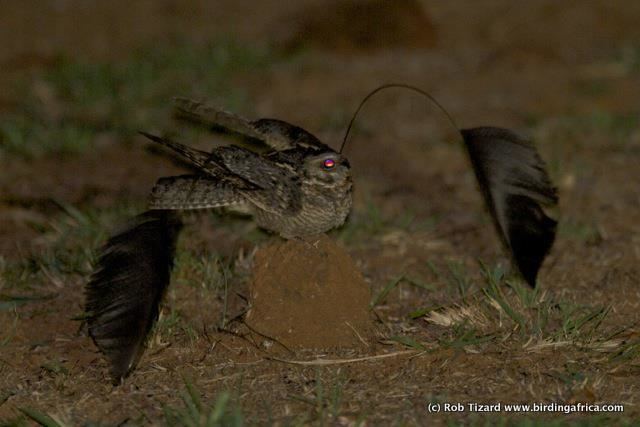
[327, 169]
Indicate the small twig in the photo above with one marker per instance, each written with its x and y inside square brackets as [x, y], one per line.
[381, 320]
[243, 297]
[238, 317]
[323, 362]
[357, 334]
[237, 335]
[205, 331]
[208, 351]
[266, 336]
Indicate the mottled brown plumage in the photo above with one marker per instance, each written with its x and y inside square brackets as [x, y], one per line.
[300, 187]
[294, 193]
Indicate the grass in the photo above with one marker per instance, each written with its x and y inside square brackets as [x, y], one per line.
[504, 311]
[193, 412]
[30, 138]
[508, 309]
[371, 221]
[324, 401]
[172, 324]
[7, 335]
[394, 283]
[590, 128]
[519, 421]
[202, 270]
[585, 232]
[70, 240]
[196, 413]
[72, 102]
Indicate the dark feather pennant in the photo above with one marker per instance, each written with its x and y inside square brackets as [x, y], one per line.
[516, 188]
[125, 291]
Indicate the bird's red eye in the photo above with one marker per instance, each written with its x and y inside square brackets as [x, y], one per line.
[329, 163]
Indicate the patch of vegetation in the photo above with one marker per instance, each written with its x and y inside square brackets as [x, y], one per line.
[507, 309]
[66, 106]
[196, 413]
[578, 230]
[171, 324]
[324, 401]
[31, 138]
[583, 129]
[382, 295]
[6, 336]
[70, 240]
[629, 57]
[29, 416]
[363, 224]
[519, 421]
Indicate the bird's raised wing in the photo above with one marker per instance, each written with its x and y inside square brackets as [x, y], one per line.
[517, 190]
[206, 162]
[277, 134]
[267, 184]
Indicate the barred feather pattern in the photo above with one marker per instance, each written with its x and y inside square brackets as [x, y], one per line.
[192, 192]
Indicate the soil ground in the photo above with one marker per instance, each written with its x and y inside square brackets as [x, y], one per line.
[310, 295]
[78, 79]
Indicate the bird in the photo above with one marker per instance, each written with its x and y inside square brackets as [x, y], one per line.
[298, 187]
[296, 192]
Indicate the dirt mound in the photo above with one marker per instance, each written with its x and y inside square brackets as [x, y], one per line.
[309, 294]
[363, 25]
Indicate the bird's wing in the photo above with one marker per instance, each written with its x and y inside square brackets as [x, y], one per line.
[276, 186]
[270, 186]
[193, 192]
[277, 134]
[207, 115]
[203, 160]
[517, 190]
[124, 293]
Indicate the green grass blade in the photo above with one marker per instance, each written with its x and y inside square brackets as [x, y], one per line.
[40, 417]
[383, 294]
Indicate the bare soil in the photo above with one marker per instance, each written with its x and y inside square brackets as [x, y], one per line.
[309, 294]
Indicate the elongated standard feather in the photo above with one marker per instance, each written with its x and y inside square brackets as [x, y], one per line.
[124, 293]
[517, 189]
